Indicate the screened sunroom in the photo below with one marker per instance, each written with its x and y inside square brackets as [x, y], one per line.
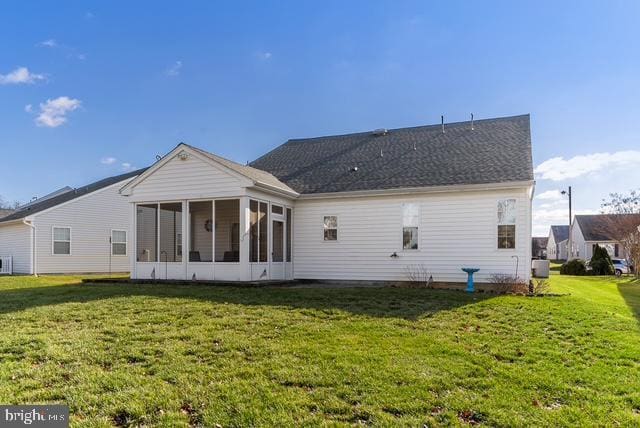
[222, 228]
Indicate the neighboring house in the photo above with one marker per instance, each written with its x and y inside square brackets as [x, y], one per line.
[539, 247]
[70, 230]
[589, 230]
[558, 242]
[367, 206]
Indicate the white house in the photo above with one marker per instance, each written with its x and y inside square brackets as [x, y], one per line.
[589, 230]
[366, 206]
[71, 230]
[557, 245]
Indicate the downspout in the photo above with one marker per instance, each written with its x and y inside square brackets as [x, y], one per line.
[33, 245]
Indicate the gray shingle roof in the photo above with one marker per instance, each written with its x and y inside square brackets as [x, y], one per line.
[495, 151]
[560, 233]
[596, 227]
[37, 206]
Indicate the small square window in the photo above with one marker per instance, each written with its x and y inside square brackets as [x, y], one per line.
[277, 209]
[330, 228]
[410, 238]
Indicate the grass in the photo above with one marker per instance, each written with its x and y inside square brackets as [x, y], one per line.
[158, 355]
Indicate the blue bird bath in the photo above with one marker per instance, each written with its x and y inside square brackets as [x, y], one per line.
[470, 272]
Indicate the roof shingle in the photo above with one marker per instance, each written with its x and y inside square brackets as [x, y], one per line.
[596, 227]
[495, 151]
[560, 233]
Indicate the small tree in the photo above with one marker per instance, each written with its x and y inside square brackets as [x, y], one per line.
[601, 263]
[574, 267]
[6, 205]
[624, 226]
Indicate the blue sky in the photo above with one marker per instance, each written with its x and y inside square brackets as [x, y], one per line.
[89, 90]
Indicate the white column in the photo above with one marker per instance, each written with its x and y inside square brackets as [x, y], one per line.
[132, 238]
[245, 268]
[185, 228]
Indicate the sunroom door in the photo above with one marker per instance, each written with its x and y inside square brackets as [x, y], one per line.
[277, 250]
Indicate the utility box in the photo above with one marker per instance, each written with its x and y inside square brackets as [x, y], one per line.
[540, 268]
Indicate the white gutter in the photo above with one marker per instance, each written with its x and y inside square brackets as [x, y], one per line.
[427, 189]
[33, 245]
[275, 189]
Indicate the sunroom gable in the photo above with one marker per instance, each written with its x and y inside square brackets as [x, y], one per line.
[186, 173]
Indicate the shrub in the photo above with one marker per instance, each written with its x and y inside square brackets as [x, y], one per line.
[419, 276]
[601, 262]
[574, 267]
[539, 286]
[508, 284]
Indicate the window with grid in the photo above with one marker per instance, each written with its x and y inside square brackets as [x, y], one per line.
[118, 242]
[507, 224]
[61, 240]
[410, 226]
[330, 228]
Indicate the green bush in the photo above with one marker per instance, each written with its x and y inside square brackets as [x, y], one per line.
[601, 262]
[574, 267]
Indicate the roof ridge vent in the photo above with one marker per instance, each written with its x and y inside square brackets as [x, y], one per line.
[380, 131]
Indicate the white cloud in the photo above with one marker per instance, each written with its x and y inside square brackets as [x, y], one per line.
[550, 195]
[69, 51]
[28, 108]
[53, 112]
[108, 160]
[174, 70]
[126, 166]
[20, 75]
[50, 43]
[558, 168]
[265, 55]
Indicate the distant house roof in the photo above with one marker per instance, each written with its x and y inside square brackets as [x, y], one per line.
[494, 151]
[539, 243]
[51, 201]
[596, 227]
[560, 233]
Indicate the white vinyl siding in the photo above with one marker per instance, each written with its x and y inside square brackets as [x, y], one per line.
[456, 230]
[192, 178]
[15, 241]
[91, 218]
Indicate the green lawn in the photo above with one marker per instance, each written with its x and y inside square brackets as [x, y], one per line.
[203, 355]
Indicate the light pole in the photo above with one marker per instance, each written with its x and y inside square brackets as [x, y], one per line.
[569, 247]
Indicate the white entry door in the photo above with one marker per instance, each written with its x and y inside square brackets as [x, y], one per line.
[277, 250]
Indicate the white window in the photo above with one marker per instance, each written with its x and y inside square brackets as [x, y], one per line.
[330, 228]
[410, 225]
[507, 223]
[118, 242]
[62, 240]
